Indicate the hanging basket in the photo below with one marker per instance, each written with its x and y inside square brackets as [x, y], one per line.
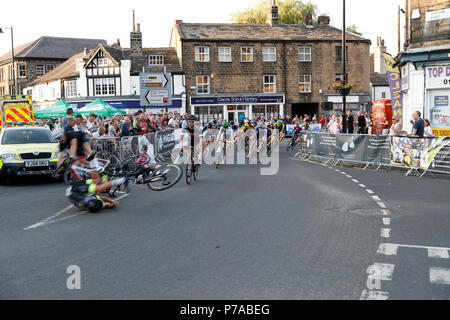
[344, 91]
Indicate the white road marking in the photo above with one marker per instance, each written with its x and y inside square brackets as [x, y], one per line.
[391, 249]
[386, 212]
[348, 176]
[355, 181]
[438, 253]
[376, 198]
[385, 233]
[343, 172]
[369, 191]
[53, 219]
[382, 205]
[440, 275]
[362, 186]
[386, 221]
[374, 295]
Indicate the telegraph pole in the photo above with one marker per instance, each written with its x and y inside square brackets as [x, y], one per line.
[344, 66]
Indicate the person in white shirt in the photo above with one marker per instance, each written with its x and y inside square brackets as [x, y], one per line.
[396, 128]
[100, 134]
[428, 130]
[173, 122]
[90, 124]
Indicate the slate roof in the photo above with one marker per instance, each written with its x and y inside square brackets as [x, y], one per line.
[379, 80]
[262, 32]
[51, 48]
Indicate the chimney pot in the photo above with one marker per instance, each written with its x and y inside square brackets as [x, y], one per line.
[138, 27]
[85, 52]
[324, 20]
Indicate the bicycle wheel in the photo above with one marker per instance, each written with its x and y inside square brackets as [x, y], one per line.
[68, 178]
[130, 165]
[188, 174]
[113, 168]
[165, 177]
[196, 171]
[62, 168]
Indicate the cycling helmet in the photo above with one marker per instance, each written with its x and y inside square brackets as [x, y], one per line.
[192, 117]
[279, 122]
[210, 125]
[94, 205]
[58, 133]
[231, 123]
[225, 124]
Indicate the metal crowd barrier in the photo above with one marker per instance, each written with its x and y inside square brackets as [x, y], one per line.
[111, 145]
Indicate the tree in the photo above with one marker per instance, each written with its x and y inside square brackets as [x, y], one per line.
[289, 12]
[354, 29]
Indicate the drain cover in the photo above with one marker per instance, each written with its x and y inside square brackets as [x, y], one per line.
[366, 212]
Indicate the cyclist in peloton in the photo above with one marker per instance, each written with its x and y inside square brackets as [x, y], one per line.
[188, 136]
[280, 127]
[296, 131]
[74, 143]
[84, 194]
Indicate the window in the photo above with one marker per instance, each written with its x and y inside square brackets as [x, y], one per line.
[1, 74]
[304, 83]
[224, 54]
[104, 86]
[40, 70]
[10, 72]
[50, 67]
[156, 60]
[71, 88]
[103, 62]
[269, 54]
[383, 95]
[246, 54]
[269, 84]
[201, 54]
[53, 92]
[202, 84]
[304, 54]
[338, 50]
[22, 71]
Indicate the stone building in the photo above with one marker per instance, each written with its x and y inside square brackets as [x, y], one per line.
[425, 63]
[242, 70]
[36, 58]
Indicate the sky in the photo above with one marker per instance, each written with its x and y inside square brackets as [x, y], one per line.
[112, 20]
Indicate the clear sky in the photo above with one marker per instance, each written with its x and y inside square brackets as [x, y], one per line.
[112, 20]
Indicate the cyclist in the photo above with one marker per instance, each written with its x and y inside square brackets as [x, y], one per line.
[226, 136]
[188, 136]
[260, 128]
[84, 194]
[146, 165]
[74, 143]
[247, 125]
[280, 127]
[295, 131]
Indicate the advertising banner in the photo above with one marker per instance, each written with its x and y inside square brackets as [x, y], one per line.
[165, 141]
[439, 154]
[395, 86]
[410, 152]
[350, 147]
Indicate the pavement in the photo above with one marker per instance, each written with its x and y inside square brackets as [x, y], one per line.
[309, 232]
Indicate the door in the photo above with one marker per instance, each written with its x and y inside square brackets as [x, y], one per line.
[240, 116]
[231, 116]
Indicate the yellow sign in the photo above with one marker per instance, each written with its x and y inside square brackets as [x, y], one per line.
[441, 132]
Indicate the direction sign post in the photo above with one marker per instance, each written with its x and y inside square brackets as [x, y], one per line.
[156, 89]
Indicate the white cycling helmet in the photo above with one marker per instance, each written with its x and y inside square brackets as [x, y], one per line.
[58, 133]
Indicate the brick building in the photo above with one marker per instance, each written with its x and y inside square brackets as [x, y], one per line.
[34, 59]
[425, 63]
[237, 70]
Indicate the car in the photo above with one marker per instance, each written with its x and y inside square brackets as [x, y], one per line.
[27, 151]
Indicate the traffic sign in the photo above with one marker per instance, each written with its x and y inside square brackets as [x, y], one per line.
[156, 89]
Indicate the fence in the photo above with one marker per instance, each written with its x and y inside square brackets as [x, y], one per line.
[418, 155]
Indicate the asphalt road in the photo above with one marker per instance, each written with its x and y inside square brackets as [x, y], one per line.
[309, 232]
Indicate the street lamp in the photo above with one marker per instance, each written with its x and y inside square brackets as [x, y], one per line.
[12, 54]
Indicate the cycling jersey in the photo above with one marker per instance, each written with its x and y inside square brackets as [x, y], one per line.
[189, 136]
[228, 133]
[81, 193]
[296, 131]
[246, 127]
[69, 137]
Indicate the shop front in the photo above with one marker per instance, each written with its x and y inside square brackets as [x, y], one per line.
[237, 107]
[355, 102]
[437, 106]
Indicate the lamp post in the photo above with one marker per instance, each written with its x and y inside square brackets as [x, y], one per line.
[12, 54]
[344, 76]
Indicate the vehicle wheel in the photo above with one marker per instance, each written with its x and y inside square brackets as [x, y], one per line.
[165, 177]
[188, 175]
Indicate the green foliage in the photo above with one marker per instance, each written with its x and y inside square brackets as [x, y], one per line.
[354, 29]
[289, 12]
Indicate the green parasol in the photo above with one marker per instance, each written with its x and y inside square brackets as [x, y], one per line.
[100, 108]
[56, 110]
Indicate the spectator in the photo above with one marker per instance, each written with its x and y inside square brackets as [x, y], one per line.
[361, 123]
[114, 131]
[428, 132]
[418, 125]
[314, 119]
[396, 128]
[173, 122]
[384, 124]
[90, 124]
[142, 125]
[350, 122]
[65, 120]
[152, 125]
[334, 126]
[322, 120]
[70, 124]
[100, 134]
[126, 128]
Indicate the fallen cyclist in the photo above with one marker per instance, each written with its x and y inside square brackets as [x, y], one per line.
[84, 194]
[73, 142]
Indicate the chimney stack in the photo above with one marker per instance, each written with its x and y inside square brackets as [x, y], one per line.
[136, 39]
[178, 21]
[85, 52]
[273, 14]
[307, 19]
[379, 63]
[324, 20]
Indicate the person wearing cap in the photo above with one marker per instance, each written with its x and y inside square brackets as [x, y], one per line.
[396, 127]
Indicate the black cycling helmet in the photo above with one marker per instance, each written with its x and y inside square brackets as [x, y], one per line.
[231, 123]
[192, 117]
[95, 205]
